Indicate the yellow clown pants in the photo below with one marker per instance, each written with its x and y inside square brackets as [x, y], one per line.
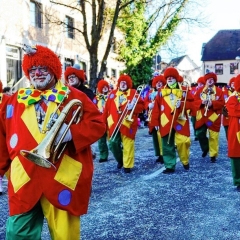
[61, 224]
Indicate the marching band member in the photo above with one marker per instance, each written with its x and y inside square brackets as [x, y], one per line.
[170, 114]
[209, 101]
[39, 187]
[227, 91]
[100, 101]
[3, 99]
[157, 83]
[233, 108]
[121, 103]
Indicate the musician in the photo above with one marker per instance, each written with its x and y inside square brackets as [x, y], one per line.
[58, 190]
[233, 108]
[227, 91]
[3, 99]
[209, 102]
[157, 83]
[173, 100]
[121, 104]
[76, 78]
[100, 101]
[200, 84]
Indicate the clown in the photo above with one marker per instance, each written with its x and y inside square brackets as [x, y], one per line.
[209, 102]
[100, 101]
[173, 100]
[57, 190]
[120, 104]
[157, 83]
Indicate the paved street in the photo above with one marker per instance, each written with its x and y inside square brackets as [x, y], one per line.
[199, 204]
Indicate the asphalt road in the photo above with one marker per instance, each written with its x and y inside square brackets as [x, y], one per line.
[199, 204]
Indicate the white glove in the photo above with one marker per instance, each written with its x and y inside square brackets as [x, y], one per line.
[68, 136]
[130, 106]
[204, 102]
[209, 103]
[178, 103]
[150, 106]
[157, 128]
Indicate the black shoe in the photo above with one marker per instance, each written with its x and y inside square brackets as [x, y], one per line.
[127, 170]
[168, 171]
[0, 193]
[119, 165]
[195, 139]
[204, 154]
[213, 159]
[238, 188]
[103, 160]
[186, 167]
[160, 159]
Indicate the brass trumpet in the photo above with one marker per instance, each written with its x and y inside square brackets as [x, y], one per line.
[208, 98]
[182, 114]
[47, 153]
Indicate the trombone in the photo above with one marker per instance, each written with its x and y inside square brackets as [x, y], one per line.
[208, 98]
[124, 116]
[182, 115]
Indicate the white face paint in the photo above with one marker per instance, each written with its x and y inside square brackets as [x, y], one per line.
[41, 77]
[210, 82]
[159, 85]
[123, 86]
[73, 80]
[171, 80]
[105, 90]
[200, 85]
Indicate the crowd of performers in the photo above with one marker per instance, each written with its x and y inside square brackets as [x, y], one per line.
[32, 115]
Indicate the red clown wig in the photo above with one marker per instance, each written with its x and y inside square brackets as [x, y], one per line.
[101, 84]
[78, 73]
[42, 56]
[232, 80]
[201, 80]
[171, 72]
[210, 75]
[125, 78]
[157, 79]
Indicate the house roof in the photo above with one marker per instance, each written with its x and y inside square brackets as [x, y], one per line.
[176, 61]
[225, 45]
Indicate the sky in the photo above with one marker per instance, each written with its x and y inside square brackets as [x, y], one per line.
[222, 15]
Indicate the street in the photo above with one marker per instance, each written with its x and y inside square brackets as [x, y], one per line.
[199, 204]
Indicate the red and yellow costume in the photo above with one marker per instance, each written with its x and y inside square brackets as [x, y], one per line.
[233, 108]
[166, 116]
[209, 117]
[115, 107]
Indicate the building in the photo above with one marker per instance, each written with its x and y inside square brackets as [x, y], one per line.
[27, 22]
[187, 68]
[222, 55]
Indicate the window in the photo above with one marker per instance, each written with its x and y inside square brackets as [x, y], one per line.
[113, 72]
[68, 62]
[69, 27]
[219, 69]
[36, 14]
[233, 68]
[114, 45]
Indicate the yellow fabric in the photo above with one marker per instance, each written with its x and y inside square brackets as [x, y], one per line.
[238, 136]
[127, 123]
[183, 147]
[182, 122]
[18, 175]
[198, 115]
[204, 95]
[110, 121]
[213, 117]
[165, 91]
[164, 120]
[128, 151]
[62, 225]
[68, 172]
[160, 142]
[213, 143]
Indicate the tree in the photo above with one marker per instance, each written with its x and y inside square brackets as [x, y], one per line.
[142, 41]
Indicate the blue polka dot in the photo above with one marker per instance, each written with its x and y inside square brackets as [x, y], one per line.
[28, 91]
[94, 101]
[64, 197]
[179, 127]
[209, 123]
[111, 96]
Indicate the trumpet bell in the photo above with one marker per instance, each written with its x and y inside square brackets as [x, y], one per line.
[182, 117]
[37, 159]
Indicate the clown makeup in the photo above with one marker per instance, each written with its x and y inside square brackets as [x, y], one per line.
[210, 82]
[159, 85]
[123, 86]
[200, 85]
[41, 77]
[105, 90]
[232, 85]
[73, 80]
[171, 81]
